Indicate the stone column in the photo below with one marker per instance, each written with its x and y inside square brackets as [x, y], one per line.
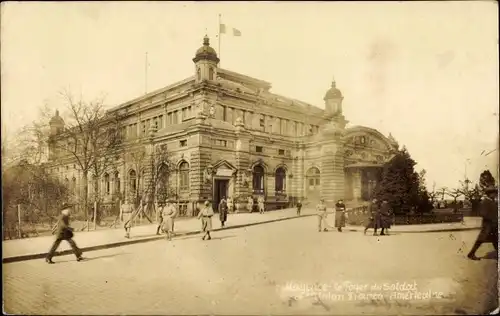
[328, 174]
[243, 184]
[356, 184]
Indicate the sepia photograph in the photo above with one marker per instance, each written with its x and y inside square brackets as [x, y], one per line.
[250, 158]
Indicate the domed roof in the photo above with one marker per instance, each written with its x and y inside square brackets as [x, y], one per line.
[56, 119]
[206, 52]
[333, 92]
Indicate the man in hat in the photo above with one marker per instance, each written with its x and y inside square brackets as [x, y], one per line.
[322, 214]
[63, 231]
[223, 211]
[489, 226]
[374, 217]
[206, 214]
[127, 211]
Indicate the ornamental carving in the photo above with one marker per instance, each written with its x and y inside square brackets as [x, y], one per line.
[208, 174]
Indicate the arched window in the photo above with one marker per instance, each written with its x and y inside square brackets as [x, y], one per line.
[132, 181]
[107, 183]
[258, 179]
[313, 176]
[117, 182]
[211, 73]
[280, 180]
[184, 176]
[198, 73]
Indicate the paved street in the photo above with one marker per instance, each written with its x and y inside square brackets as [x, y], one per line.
[246, 270]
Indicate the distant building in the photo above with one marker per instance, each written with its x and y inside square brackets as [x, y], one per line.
[229, 135]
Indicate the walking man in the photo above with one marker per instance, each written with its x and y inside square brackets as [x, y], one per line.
[385, 217]
[223, 211]
[250, 204]
[299, 207]
[159, 211]
[374, 216]
[261, 201]
[230, 205]
[206, 214]
[127, 211]
[322, 214]
[63, 231]
[489, 226]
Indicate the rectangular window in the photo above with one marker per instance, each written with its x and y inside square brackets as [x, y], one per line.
[311, 182]
[183, 143]
[317, 181]
[156, 123]
[258, 149]
[143, 129]
[169, 118]
[160, 122]
[281, 152]
[262, 121]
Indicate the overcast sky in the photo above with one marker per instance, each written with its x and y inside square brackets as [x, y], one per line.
[426, 72]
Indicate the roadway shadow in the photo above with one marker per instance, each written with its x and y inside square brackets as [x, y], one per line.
[223, 237]
[493, 255]
[91, 258]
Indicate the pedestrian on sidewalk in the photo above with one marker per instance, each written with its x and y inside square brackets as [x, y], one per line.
[322, 215]
[230, 205]
[206, 214]
[250, 204]
[159, 211]
[169, 212]
[223, 211]
[385, 217]
[63, 231]
[489, 226]
[340, 215]
[299, 207]
[127, 211]
[373, 212]
[261, 204]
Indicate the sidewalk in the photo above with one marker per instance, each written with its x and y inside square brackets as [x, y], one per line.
[37, 247]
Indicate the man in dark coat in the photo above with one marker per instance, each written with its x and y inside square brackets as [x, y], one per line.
[373, 221]
[340, 215]
[385, 217]
[489, 226]
[299, 207]
[223, 211]
[63, 231]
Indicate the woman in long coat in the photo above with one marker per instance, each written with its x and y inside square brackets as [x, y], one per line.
[206, 214]
[168, 213]
[385, 217]
[340, 215]
[223, 211]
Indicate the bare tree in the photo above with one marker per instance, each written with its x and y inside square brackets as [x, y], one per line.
[91, 138]
[455, 194]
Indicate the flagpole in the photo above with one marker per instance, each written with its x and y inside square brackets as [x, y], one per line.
[218, 28]
[146, 75]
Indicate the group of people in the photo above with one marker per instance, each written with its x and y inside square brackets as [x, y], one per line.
[340, 215]
[260, 204]
[380, 217]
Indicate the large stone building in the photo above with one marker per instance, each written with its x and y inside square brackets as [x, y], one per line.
[227, 134]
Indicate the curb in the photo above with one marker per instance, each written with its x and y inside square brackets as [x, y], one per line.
[137, 241]
[155, 237]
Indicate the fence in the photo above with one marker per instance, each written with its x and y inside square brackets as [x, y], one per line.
[24, 222]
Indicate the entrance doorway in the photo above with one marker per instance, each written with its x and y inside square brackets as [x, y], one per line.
[220, 191]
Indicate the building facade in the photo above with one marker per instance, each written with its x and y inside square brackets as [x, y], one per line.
[227, 134]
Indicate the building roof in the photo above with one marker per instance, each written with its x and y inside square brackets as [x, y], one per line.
[333, 92]
[56, 119]
[206, 52]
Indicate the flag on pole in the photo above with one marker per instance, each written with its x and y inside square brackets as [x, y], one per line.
[223, 30]
[236, 32]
